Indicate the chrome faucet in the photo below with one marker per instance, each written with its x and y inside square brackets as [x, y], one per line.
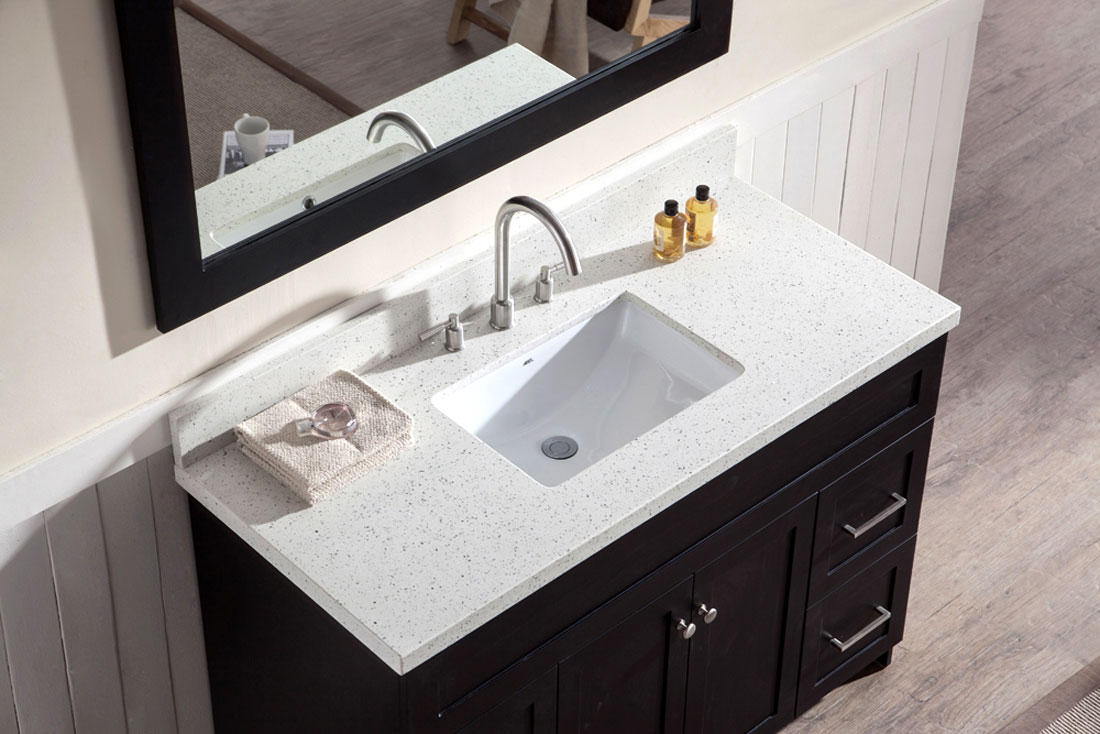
[503, 307]
[399, 119]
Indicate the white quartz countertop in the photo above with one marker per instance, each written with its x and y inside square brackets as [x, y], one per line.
[457, 533]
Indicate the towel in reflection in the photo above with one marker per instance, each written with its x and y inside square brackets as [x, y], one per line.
[557, 30]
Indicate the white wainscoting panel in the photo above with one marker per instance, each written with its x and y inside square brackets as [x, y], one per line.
[86, 612]
[897, 102]
[912, 196]
[180, 592]
[742, 165]
[8, 721]
[945, 154]
[32, 630]
[769, 160]
[126, 507]
[866, 142]
[800, 165]
[100, 629]
[99, 615]
[832, 159]
[855, 211]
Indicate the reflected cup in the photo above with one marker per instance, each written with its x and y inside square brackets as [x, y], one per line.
[252, 137]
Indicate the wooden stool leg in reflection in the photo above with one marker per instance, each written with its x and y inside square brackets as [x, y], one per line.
[460, 24]
[648, 28]
[466, 12]
[644, 27]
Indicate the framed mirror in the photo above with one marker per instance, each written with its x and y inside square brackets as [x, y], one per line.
[270, 132]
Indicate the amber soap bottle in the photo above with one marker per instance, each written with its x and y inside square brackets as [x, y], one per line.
[701, 209]
[668, 233]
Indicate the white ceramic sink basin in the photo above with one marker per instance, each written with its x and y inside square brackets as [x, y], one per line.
[291, 205]
[593, 388]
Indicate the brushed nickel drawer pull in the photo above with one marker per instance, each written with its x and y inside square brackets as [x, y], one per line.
[845, 645]
[899, 502]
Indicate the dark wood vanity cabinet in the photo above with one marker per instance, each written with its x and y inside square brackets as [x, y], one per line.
[531, 710]
[656, 666]
[665, 669]
[801, 556]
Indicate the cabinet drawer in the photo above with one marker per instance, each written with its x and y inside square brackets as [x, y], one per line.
[855, 624]
[901, 398]
[868, 511]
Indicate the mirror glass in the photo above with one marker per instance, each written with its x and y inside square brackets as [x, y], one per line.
[290, 104]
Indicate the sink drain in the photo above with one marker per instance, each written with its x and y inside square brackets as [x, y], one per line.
[559, 447]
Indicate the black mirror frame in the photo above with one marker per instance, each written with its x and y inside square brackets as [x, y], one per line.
[186, 287]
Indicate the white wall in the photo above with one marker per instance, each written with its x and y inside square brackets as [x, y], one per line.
[77, 340]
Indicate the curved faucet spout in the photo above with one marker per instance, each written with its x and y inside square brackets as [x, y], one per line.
[399, 119]
[502, 307]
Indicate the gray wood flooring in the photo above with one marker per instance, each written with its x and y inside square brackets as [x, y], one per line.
[1005, 601]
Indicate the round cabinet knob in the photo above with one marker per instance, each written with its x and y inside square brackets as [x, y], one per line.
[709, 614]
[686, 629]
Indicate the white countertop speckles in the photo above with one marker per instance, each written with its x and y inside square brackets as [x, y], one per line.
[457, 532]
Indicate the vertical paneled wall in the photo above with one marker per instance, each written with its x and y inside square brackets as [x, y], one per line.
[99, 619]
[874, 162]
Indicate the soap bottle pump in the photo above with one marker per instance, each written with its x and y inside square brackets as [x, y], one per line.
[668, 233]
[701, 209]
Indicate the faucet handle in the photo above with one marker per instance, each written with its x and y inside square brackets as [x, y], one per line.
[544, 286]
[455, 338]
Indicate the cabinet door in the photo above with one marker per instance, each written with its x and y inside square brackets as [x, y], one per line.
[530, 710]
[633, 677]
[744, 664]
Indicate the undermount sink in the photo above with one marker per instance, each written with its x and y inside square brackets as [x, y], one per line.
[588, 391]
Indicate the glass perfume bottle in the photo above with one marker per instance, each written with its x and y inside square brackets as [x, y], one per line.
[701, 209]
[668, 233]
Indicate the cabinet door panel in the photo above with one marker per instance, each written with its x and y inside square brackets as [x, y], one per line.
[744, 665]
[530, 710]
[633, 677]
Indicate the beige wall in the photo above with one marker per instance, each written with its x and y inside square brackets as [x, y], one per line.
[77, 340]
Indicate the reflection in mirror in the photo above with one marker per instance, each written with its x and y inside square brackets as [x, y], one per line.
[320, 73]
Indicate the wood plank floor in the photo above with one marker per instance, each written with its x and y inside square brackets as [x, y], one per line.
[1005, 601]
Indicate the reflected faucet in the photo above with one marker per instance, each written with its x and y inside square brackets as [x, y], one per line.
[399, 119]
[503, 307]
